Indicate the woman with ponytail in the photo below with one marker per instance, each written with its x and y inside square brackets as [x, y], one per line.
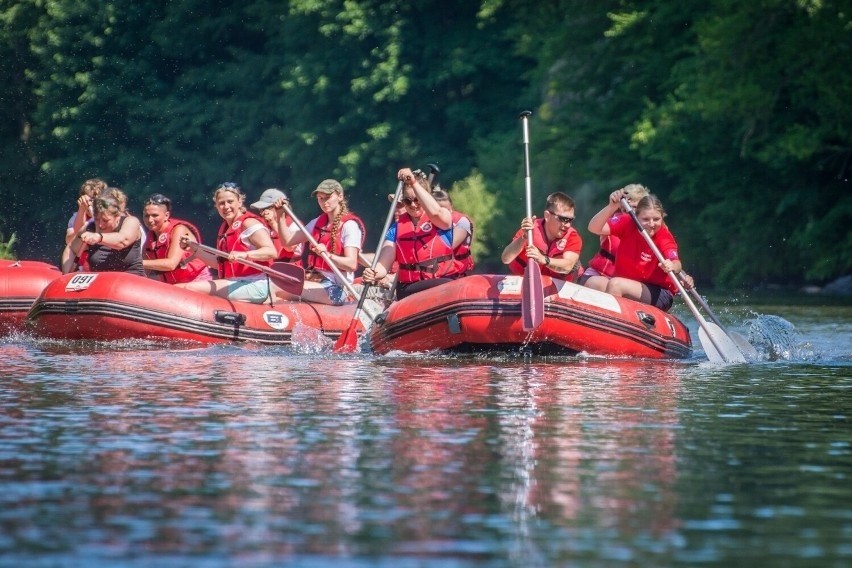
[337, 232]
[638, 274]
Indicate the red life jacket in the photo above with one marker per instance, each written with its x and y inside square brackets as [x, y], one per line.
[604, 259]
[83, 257]
[284, 254]
[553, 249]
[158, 248]
[421, 252]
[322, 234]
[461, 254]
[229, 241]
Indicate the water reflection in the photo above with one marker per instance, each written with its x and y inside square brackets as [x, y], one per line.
[513, 446]
[266, 455]
[598, 446]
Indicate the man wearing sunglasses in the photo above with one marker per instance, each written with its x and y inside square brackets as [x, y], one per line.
[556, 244]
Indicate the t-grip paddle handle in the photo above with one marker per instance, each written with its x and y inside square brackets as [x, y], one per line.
[434, 172]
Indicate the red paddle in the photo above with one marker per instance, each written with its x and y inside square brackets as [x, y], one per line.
[288, 277]
[532, 292]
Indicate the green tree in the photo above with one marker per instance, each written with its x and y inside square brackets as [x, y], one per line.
[18, 160]
[6, 247]
[758, 134]
[470, 196]
[735, 114]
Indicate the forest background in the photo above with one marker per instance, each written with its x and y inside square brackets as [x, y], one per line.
[737, 114]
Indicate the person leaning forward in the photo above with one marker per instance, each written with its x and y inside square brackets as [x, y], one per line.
[111, 241]
[265, 206]
[556, 244]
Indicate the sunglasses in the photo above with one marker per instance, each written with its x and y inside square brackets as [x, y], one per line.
[159, 199]
[228, 185]
[562, 218]
[410, 202]
[106, 203]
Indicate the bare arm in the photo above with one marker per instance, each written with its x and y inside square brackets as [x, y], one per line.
[175, 254]
[438, 214]
[117, 240]
[83, 205]
[461, 232]
[514, 248]
[598, 224]
[386, 257]
[565, 263]
[264, 249]
[348, 261]
[73, 249]
[289, 234]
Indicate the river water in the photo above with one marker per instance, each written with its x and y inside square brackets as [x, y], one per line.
[150, 455]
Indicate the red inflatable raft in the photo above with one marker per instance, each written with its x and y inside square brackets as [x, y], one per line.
[21, 282]
[483, 313]
[109, 306]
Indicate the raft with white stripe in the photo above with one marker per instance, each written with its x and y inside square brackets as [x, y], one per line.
[112, 306]
[482, 313]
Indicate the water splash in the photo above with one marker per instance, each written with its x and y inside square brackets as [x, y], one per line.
[308, 340]
[777, 339]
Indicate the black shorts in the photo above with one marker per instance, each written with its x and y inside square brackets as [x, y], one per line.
[660, 297]
[404, 290]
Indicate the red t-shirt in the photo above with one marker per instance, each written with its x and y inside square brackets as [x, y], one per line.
[635, 259]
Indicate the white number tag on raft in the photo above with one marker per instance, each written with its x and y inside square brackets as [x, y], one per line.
[80, 282]
[510, 285]
[276, 320]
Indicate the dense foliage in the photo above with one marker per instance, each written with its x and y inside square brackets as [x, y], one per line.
[735, 113]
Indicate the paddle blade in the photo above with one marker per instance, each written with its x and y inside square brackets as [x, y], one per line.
[718, 346]
[348, 340]
[532, 297]
[288, 277]
[746, 348]
[371, 310]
